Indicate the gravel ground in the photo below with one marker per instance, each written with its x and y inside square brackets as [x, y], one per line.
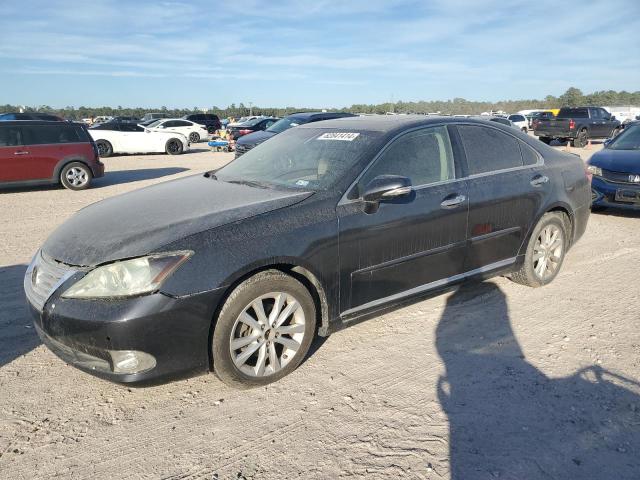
[493, 380]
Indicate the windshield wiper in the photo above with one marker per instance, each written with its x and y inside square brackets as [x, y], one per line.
[250, 183]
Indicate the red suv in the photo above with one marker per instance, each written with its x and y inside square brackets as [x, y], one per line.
[41, 152]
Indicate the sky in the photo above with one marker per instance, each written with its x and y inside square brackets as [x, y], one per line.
[319, 53]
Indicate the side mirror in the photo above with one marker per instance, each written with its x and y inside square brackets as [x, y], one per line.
[386, 187]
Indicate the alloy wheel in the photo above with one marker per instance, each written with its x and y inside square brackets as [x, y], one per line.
[77, 176]
[267, 334]
[102, 149]
[548, 251]
[173, 147]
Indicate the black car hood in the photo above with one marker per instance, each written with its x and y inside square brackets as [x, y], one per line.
[143, 221]
[624, 161]
[255, 138]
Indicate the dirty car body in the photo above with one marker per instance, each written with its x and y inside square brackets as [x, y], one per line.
[358, 249]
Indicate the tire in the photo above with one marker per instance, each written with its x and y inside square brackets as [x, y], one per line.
[194, 137]
[291, 347]
[104, 148]
[174, 146]
[524, 129]
[76, 176]
[581, 139]
[546, 140]
[532, 273]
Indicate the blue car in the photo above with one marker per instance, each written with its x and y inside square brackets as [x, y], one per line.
[616, 171]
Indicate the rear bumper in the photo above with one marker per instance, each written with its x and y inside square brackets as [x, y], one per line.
[164, 337]
[552, 134]
[97, 169]
[604, 194]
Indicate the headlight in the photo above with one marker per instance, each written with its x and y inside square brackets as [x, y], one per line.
[596, 171]
[129, 277]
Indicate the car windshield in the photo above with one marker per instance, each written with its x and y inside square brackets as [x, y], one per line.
[284, 124]
[629, 139]
[154, 124]
[251, 123]
[306, 158]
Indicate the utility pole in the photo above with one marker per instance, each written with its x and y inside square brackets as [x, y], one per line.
[251, 109]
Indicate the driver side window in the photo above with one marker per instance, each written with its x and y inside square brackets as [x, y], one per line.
[424, 156]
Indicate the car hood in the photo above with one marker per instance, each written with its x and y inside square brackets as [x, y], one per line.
[624, 161]
[255, 137]
[143, 221]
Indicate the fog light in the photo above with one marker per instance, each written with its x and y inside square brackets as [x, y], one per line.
[131, 361]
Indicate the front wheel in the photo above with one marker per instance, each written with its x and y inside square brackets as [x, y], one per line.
[76, 176]
[545, 251]
[264, 330]
[174, 147]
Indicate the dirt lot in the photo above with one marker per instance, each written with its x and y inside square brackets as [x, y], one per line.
[494, 380]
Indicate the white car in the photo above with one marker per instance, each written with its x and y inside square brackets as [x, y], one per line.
[519, 121]
[193, 131]
[114, 137]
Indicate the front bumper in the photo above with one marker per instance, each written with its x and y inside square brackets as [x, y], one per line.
[173, 332]
[604, 194]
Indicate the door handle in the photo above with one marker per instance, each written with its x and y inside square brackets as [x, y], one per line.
[539, 180]
[453, 202]
[21, 153]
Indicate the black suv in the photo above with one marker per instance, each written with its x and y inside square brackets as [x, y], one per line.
[209, 120]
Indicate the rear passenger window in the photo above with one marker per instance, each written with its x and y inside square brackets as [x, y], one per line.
[49, 134]
[489, 149]
[9, 136]
[529, 156]
[424, 156]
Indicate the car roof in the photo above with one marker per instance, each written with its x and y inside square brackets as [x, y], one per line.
[391, 125]
[310, 115]
[38, 122]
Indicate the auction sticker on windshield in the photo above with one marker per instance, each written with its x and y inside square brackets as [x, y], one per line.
[343, 136]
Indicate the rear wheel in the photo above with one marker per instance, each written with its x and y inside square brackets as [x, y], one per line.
[545, 251]
[194, 137]
[174, 147]
[104, 148]
[581, 139]
[524, 129]
[76, 176]
[264, 330]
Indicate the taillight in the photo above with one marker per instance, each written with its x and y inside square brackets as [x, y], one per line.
[572, 124]
[244, 132]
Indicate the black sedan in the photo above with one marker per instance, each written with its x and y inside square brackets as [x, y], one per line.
[616, 171]
[255, 125]
[237, 270]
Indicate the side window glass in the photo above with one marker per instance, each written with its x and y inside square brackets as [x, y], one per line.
[489, 149]
[424, 156]
[9, 136]
[529, 156]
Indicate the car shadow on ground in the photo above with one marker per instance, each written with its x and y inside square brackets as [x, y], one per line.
[17, 335]
[118, 177]
[509, 420]
[617, 212]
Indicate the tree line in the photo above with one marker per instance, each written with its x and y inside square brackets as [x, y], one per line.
[573, 97]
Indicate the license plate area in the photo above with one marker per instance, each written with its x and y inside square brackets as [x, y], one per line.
[628, 196]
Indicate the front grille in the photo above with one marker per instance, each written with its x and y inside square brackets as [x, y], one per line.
[43, 277]
[617, 177]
